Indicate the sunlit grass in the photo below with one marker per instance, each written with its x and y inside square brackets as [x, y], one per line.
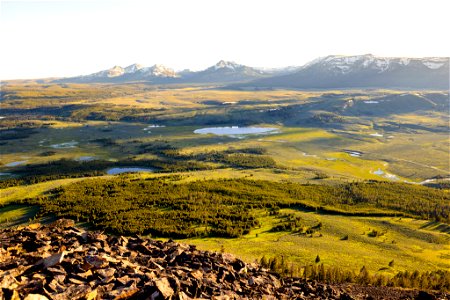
[8, 195]
[13, 214]
[408, 251]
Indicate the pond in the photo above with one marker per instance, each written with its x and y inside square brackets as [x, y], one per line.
[309, 155]
[376, 134]
[16, 163]
[386, 175]
[119, 170]
[378, 172]
[236, 130]
[85, 158]
[354, 153]
[149, 127]
[71, 144]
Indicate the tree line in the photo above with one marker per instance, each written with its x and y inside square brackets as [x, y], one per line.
[427, 280]
[166, 207]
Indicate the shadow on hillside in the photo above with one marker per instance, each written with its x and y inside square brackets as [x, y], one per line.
[437, 226]
[29, 213]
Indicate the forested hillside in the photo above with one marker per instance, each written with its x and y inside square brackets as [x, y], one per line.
[166, 207]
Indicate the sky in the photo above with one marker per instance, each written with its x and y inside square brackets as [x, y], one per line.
[68, 38]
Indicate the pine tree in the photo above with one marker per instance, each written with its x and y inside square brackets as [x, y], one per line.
[313, 272]
[364, 276]
[274, 264]
[317, 259]
[264, 262]
[307, 272]
[321, 275]
[424, 283]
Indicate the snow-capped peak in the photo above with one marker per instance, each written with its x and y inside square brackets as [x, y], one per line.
[343, 64]
[226, 65]
[435, 62]
[113, 72]
[116, 71]
[159, 71]
[348, 60]
[278, 71]
[133, 68]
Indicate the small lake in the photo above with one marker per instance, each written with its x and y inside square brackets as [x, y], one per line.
[236, 130]
[376, 134]
[71, 144]
[149, 127]
[386, 175]
[309, 155]
[16, 163]
[378, 172]
[354, 153]
[85, 158]
[119, 170]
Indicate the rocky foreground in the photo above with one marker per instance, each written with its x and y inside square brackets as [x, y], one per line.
[59, 261]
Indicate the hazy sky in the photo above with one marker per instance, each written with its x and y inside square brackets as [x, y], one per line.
[66, 38]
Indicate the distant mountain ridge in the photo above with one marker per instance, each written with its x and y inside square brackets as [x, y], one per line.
[333, 71]
[364, 71]
[223, 72]
[134, 72]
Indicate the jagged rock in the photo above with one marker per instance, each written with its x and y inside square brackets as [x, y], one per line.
[92, 295]
[95, 261]
[56, 286]
[164, 288]
[85, 275]
[122, 293]
[197, 274]
[35, 297]
[53, 259]
[106, 272]
[76, 281]
[8, 281]
[34, 226]
[73, 292]
[93, 265]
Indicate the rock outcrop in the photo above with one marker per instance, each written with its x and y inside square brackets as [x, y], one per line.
[60, 261]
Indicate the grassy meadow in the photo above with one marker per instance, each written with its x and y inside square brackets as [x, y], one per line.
[408, 242]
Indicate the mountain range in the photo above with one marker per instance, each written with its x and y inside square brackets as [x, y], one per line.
[334, 71]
